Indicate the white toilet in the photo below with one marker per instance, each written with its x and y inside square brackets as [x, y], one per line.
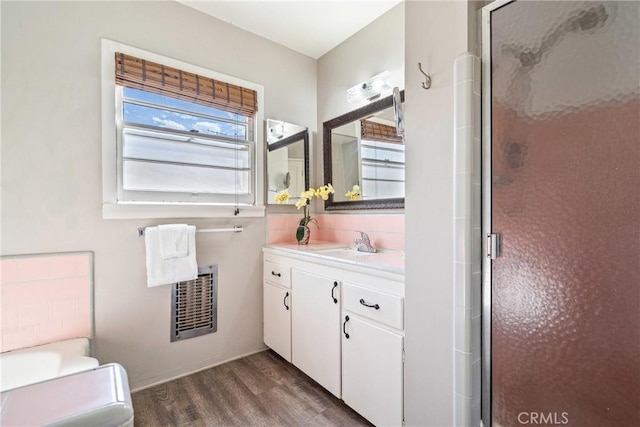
[96, 397]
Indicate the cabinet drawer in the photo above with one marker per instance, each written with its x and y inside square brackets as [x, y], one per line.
[278, 274]
[378, 306]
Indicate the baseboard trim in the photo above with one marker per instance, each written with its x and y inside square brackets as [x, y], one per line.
[166, 380]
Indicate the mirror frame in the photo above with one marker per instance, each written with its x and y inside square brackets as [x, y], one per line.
[302, 135]
[327, 127]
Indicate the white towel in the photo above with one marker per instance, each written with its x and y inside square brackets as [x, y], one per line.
[174, 241]
[167, 271]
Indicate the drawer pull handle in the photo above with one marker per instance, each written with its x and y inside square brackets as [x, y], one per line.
[285, 300]
[344, 327]
[363, 302]
[273, 273]
[335, 285]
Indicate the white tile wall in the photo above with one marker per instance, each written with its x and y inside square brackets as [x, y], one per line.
[467, 241]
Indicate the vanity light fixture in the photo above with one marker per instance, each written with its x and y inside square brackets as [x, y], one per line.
[369, 90]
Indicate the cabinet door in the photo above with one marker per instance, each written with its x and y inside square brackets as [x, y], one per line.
[372, 371]
[315, 329]
[277, 319]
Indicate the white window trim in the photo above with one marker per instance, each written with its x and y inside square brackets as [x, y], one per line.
[111, 207]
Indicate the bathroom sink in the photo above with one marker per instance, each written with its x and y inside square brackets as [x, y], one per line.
[385, 259]
[344, 252]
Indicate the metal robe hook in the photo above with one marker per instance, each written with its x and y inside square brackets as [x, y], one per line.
[426, 84]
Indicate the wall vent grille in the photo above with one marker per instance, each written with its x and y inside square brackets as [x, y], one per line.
[194, 305]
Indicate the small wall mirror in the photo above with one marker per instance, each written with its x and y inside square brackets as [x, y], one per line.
[364, 157]
[287, 160]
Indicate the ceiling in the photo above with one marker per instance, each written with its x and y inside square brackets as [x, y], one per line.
[310, 27]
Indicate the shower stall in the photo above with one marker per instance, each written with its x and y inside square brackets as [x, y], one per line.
[561, 213]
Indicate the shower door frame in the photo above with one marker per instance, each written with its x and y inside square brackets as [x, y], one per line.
[486, 224]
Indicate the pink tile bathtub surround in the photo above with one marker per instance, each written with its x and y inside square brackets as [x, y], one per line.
[44, 298]
[386, 231]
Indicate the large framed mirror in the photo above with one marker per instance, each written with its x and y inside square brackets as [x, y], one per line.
[287, 160]
[364, 157]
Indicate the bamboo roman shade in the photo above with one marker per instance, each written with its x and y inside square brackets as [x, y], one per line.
[378, 132]
[163, 80]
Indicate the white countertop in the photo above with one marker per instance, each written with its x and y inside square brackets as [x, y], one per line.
[385, 260]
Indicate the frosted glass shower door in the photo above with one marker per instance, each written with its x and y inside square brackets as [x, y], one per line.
[565, 200]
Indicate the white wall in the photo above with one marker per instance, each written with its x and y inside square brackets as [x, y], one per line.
[51, 160]
[436, 33]
[378, 47]
[433, 33]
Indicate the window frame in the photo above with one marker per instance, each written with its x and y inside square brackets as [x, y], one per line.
[115, 208]
[377, 163]
[179, 196]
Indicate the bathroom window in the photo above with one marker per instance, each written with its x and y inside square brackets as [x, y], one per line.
[382, 169]
[186, 139]
[382, 159]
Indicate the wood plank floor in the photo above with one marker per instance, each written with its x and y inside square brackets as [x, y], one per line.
[259, 390]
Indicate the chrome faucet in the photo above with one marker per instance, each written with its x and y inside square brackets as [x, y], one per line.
[363, 244]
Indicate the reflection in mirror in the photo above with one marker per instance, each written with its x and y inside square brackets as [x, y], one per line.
[365, 158]
[287, 160]
[374, 161]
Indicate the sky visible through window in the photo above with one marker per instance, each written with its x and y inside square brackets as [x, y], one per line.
[156, 116]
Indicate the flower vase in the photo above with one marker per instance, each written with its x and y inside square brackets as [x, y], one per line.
[302, 235]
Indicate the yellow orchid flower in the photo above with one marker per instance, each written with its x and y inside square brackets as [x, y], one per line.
[283, 197]
[324, 191]
[309, 194]
[301, 203]
[354, 194]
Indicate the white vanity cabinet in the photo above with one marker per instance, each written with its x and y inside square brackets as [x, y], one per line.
[372, 349]
[315, 325]
[277, 308]
[346, 326]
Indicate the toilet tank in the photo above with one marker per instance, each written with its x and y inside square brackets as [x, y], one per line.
[97, 397]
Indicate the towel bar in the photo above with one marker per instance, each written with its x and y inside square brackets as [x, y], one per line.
[235, 229]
